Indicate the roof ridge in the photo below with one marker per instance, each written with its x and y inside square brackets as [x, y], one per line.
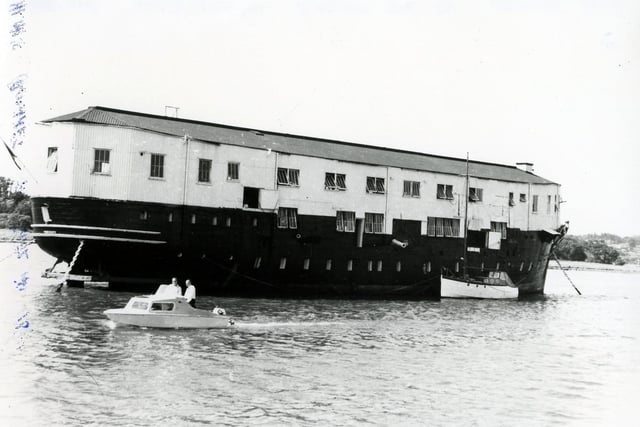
[291, 135]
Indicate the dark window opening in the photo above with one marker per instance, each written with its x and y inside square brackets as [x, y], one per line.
[251, 197]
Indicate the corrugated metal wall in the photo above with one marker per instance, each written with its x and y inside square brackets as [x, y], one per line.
[112, 185]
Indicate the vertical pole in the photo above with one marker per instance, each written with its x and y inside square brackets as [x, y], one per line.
[466, 212]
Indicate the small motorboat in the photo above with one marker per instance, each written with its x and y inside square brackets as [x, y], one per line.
[167, 311]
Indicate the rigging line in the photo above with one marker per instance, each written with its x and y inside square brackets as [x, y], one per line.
[16, 159]
[565, 273]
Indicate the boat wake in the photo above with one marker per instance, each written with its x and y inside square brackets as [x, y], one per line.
[264, 325]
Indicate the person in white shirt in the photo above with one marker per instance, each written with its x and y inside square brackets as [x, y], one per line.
[190, 293]
[176, 287]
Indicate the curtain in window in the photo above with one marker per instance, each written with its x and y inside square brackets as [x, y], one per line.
[52, 160]
[415, 187]
[440, 227]
[407, 188]
[293, 176]
[282, 218]
[339, 221]
[293, 218]
[431, 226]
[449, 190]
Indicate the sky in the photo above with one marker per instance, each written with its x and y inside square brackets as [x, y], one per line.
[553, 83]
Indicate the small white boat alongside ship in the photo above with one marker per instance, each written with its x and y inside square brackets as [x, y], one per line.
[164, 311]
[497, 285]
[486, 285]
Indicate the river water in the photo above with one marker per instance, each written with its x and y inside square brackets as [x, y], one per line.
[561, 360]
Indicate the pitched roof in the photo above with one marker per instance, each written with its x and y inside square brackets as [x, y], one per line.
[295, 144]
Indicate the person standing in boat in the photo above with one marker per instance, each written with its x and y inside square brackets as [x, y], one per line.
[176, 287]
[190, 293]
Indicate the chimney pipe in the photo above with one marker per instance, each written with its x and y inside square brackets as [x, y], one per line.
[527, 167]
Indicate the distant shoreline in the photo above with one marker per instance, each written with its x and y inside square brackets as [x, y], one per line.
[593, 266]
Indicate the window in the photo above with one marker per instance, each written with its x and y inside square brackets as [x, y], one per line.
[52, 159]
[45, 214]
[379, 265]
[411, 189]
[214, 220]
[370, 265]
[328, 264]
[373, 223]
[375, 185]
[523, 198]
[445, 191]
[443, 227]
[500, 227]
[251, 198]
[193, 218]
[287, 218]
[256, 263]
[157, 166]
[335, 181]
[233, 171]
[555, 203]
[512, 202]
[534, 204]
[475, 194]
[170, 217]
[101, 161]
[398, 266]
[346, 221]
[139, 305]
[162, 306]
[144, 215]
[288, 177]
[306, 263]
[283, 263]
[204, 170]
[350, 265]
[548, 205]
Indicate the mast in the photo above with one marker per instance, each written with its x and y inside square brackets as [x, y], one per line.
[466, 212]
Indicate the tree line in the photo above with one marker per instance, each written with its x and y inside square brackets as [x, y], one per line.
[15, 206]
[594, 248]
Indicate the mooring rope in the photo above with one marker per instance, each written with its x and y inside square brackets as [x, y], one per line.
[71, 264]
[565, 273]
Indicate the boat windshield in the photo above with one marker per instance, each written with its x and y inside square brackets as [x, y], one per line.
[162, 306]
[140, 305]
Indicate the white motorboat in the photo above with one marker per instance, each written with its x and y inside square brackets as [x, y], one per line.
[167, 311]
[497, 285]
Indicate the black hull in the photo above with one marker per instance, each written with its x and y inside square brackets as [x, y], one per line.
[242, 254]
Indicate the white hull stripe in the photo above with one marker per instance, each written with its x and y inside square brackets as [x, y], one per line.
[90, 237]
[87, 227]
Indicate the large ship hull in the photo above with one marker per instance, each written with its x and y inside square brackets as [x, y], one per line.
[243, 252]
